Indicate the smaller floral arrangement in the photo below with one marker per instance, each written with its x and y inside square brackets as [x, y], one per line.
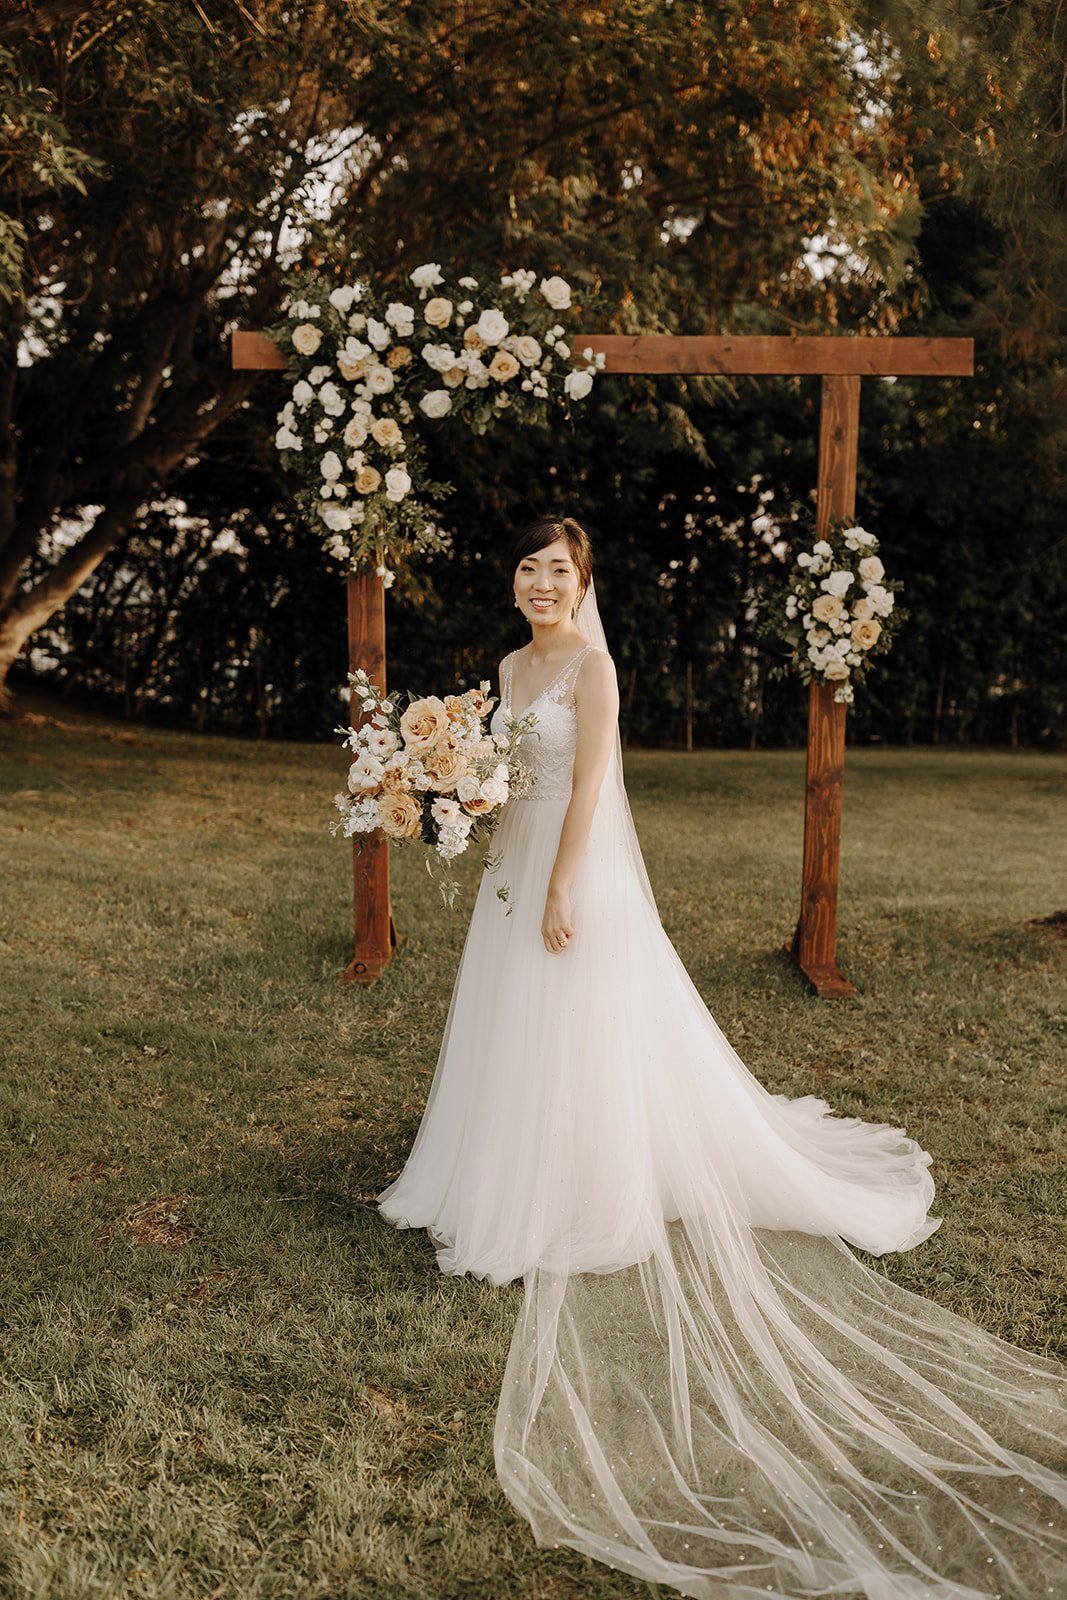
[428, 768]
[837, 611]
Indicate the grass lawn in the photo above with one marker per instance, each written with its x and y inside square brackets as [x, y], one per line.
[224, 1377]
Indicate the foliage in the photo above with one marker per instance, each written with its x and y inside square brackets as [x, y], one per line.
[369, 373]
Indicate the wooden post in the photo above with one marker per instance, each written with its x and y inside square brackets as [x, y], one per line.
[375, 931]
[814, 946]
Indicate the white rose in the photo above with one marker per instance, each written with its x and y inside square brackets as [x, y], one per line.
[303, 393]
[821, 548]
[494, 791]
[803, 559]
[563, 350]
[837, 582]
[576, 385]
[557, 292]
[468, 787]
[527, 350]
[439, 357]
[871, 570]
[492, 325]
[355, 433]
[438, 403]
[477, 375]
[438, 312]
[881, 599]
[338, 549]
[428, 276]
[357, 322]
[380, 380]
[337, 518]
[398, 315]
[341, 299]
[835, 669]
[306, 338]
[378, 333]
[332, 400]
[318, 374]
[397, 484]
[330, 466]
[285, 439]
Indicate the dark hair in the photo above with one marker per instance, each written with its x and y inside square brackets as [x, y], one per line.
[546, 530]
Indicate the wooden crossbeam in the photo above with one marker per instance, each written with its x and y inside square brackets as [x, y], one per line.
[841, 361]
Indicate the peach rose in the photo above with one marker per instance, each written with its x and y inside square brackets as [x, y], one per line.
[399, 356]
[825, 606]
[503, 366]
[423, 723]
[387, 432]
[453, 377]
[480, 702]
[351, 370]
[438, 311]
[862, 609]
[368, 480]
[395, 780]
[400, 816]
[473, 340]
[455, 708]
[445, 767]
[865, 631]
[477, 805]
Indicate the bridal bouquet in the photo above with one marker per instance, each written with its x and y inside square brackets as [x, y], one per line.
[837, 611]
[430, 771]
[371, 369]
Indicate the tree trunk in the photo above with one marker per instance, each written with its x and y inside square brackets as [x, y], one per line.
[32, 608]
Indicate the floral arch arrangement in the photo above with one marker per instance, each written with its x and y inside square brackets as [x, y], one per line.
[369, 373]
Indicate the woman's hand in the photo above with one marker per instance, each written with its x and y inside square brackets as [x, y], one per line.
[556, 928]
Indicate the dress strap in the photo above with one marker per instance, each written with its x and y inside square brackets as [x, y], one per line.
[505, 678]
[563, 688]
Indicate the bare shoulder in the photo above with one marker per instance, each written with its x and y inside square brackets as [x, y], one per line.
[596, 674]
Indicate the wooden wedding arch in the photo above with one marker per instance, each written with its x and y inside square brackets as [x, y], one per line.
[841, 361]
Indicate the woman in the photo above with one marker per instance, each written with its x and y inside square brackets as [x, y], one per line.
[705, 1386]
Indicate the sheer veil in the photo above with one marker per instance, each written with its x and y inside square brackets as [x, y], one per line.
[736, 1410]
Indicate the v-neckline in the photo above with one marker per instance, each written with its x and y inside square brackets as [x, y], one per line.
[547, 687]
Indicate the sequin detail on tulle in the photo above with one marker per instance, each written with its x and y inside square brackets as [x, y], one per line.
[551, 756]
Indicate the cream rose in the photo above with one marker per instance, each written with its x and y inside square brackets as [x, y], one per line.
[386, 432]
[503, 366]
[306, 338]
[576, 385]
[528, 350]
[862, 609]
[351, 369]
[557, 291]
[825, 606]
[453, 377]
[368, 480]
[438, 403]
[835, 669]
[871, 570]
[423, 723]
[400, 815]
[492, 325]
[438, 312]
[473, 340]
[355, 433]
[380, 380]
[865, 632]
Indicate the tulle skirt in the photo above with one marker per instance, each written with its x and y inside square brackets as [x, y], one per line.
[705, 1386]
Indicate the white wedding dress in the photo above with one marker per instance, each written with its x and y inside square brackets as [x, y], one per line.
[706, 1387]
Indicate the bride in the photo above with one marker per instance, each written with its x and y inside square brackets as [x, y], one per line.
[706, 1387]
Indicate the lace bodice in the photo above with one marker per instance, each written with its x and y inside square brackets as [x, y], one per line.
[551, 756]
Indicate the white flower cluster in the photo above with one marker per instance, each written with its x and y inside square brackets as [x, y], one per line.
[365, 371]
[840, 601]
[431, 772]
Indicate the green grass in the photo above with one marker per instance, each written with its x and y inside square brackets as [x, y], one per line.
[224, 1376]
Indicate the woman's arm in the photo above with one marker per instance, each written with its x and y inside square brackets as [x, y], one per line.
[596, 699]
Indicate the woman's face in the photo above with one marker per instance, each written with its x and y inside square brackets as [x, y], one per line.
[546, 584]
